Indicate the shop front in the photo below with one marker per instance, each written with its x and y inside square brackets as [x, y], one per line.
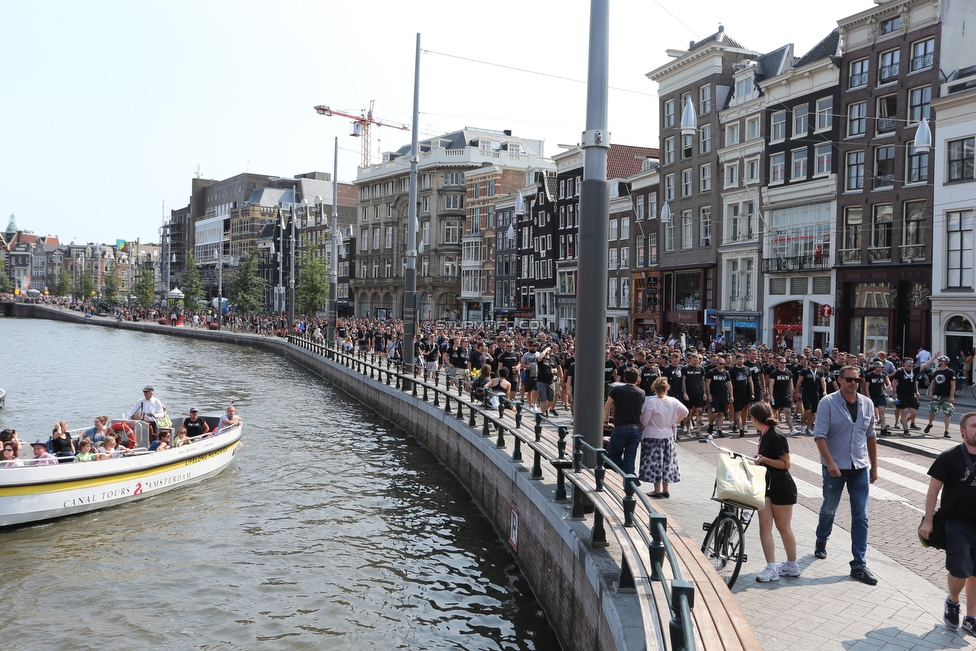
[884, 310]
[740, 328]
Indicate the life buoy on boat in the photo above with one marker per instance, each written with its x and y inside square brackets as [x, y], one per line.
[125, 432]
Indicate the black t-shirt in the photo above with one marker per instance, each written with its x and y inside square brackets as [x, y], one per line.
[694, 379]
[609, 371]
[907, 384]
[628, 400]
[509, 360]
[959, 490]
[718, 381]
[756, 369]
[740, 378]
[193, 428]
[458, 356]
[782, 380]
[876, 384]
[942, 382]
[673, 375]
[811, 382]
[545, 374]
[647, 376]
[773, 445]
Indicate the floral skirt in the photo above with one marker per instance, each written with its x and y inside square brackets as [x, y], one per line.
[659, 461]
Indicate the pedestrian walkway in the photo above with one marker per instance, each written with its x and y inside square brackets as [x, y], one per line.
[825, 609]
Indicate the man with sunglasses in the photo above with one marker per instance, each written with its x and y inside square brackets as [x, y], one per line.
[942, 394]
[848, 446]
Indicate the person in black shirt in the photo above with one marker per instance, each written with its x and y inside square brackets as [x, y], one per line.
[905, 383]
[741, 376]
[718, 390]
[942, 394]
[877, 386]
[693, 389]
[510, 359]
[780, 387]
[810, 388]
[757, 374]
[194, 425]
[626, 402]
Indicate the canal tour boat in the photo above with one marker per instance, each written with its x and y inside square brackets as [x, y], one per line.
[34, 493]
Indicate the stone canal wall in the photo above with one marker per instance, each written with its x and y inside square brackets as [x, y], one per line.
[573, 582]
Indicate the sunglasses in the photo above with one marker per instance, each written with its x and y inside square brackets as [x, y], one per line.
[851, 379]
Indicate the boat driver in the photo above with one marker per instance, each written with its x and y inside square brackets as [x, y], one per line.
[148, 409]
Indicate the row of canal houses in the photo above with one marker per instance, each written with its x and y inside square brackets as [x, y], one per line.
[793, 200]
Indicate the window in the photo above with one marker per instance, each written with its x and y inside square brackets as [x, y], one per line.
[752, 128]
[452, 202]
[652, 206]
[857, 118]
[884, 167]
[624, 257]
[888, 66]
[705, 177]
[376, 213]
[687, 183]
[704, 99]
[777, 168]
[376, 239]
[961, 159]
[453, 178]
[801, 120]
[686, 146]
[612, 259]
[625, 228]
[640, 252]
[823, 155]
[669, 236]
[705, 139]
[881, 226]
[890, 25]
[364, 239]
[639, 208]
[613, 231]
[751, 171]
[477, 190]
[452, 232]
[825, 113]
[959, 249]
[705, 226]
[562, 189]
[913, 228]
[686, 230]
[652, 248]
[918, 104]
[426, 205]
[855, 170]
[669, 113]
[425, 233]
[732, 134]
[491, 188]
[799, 164]
[887, 113]
[669, 187]
[859, 73]
[778, 126]
[852, 228]
[917, 166]
[668, 151]
[612, 292]
[923, 54]
[388, 240]
[425, 181]
[743, 87]
[731, 175]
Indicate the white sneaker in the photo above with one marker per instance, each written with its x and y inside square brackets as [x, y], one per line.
[785, 569]
[767, 575]
[796, 430]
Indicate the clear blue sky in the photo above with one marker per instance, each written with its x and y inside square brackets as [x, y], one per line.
[109, 106]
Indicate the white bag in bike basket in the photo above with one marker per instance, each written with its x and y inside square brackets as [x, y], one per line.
[740, 482]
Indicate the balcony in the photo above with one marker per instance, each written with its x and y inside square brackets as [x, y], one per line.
[797, 263]
[849, 256]
[923, 62]
[859, 80]
[879, 254]
[886, 125]
[912, 253]
[888, 74]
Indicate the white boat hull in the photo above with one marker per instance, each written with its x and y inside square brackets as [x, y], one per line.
[36, 493]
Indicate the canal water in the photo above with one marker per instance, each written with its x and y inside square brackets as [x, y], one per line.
[333, 529]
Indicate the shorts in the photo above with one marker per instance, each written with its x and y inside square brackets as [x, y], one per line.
[908, 403]
[781, 402]
[719, 404]
[379, 348]
[780, 488]
[451, 372]
[960, 548]
[695, 401]
[739, 401]
[941, 403]
[546, 392]
[810, 403]
[880, 401]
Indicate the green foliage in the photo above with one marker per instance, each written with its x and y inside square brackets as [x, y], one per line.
[312, 284]
[84, 286]
[247, 288]
[62, 286]
[145, 288]
[111, 285]
[6, 285]
[192, 288]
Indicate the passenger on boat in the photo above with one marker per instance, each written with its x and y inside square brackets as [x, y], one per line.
[182, 438]
[61, 443]
[41, 456]
[230, 418]
[98, 432]
[10, 457]
[194, 425]
[85, 452]
[162, 443]
[108, 449]
[148, 409]
[10, 436]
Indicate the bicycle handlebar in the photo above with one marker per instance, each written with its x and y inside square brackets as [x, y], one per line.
[711, 440]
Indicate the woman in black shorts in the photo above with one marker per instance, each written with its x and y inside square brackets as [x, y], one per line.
[774, 454]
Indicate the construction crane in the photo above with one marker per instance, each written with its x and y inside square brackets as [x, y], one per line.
[361, 124]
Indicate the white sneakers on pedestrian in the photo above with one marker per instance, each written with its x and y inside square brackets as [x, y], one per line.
[767, 575]
[788, 569]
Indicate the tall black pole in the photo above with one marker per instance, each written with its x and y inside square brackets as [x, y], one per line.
[594, 219]
[334, 271]
[410, 274]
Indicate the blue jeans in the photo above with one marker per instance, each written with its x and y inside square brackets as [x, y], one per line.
[857, 490]
[624, 443]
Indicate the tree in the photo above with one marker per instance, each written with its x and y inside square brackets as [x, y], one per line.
[247, 288]
[193, 291]
[6, 285]
[312, 284]
[145, 288]
[85, 286]
[62, 286]
[111, 287]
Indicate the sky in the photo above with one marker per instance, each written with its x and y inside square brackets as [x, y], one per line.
[110, 108]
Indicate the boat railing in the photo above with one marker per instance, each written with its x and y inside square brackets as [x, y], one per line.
[644, 544]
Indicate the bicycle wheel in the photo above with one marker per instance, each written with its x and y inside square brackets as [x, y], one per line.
[960, 386]
[724, 547]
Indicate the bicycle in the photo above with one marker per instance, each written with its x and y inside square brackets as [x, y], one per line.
[724, 544]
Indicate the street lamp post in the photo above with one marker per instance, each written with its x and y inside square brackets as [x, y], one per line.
[291, 268]
[334, 266]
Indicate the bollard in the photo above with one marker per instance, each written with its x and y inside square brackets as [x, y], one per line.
[518, 414]
[471, 420]
[561, 444]
[578, 511]
[629, 501]
[656, 549]
[560, 485]
[447, 402]
[486, 427]
[437, 399]
[598, 533]
[500, 443]
[538, 427]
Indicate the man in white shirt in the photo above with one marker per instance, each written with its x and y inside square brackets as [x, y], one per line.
[148, 409]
